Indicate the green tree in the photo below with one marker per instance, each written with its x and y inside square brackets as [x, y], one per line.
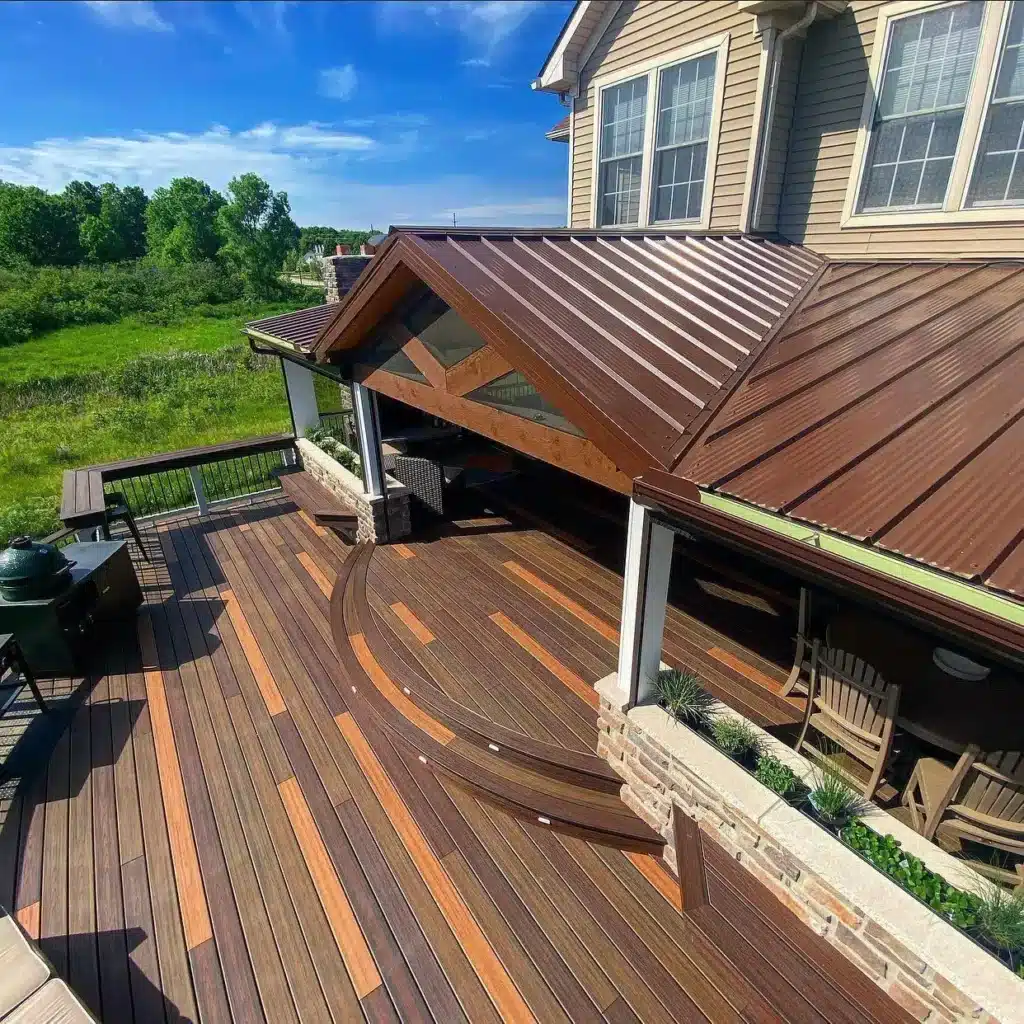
[83, 197]
[181, 222]
[118, 230]
[258, 231]
[36, 227]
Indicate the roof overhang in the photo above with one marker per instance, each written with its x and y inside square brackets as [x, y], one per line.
[580, 33]
[982, 622]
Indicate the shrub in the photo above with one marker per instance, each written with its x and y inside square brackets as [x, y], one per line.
[682, 696]
[999, 917]
[735, 736]
[778, 777]
[329, 439]
[833, 799]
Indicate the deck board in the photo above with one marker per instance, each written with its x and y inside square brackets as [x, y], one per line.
[190, 841]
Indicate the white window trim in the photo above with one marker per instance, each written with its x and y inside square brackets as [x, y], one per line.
[954, 210]
[714, 44]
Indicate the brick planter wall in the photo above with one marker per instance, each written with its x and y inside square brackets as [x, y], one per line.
[926, 965]
[349, 488]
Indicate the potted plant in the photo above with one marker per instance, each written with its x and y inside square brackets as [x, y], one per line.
[682, 696]
[778, 777]
[999, 923]
[832, 801]
[737, 738]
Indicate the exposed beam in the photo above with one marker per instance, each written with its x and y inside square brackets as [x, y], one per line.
[483, 366]
[556, 447]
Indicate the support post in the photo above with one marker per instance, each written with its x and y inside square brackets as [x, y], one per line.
[298, 382]
[197, 486]
[368, 428]
[644, 602]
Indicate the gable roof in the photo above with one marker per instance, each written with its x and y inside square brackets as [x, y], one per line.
[576, 40]
[633, 336]
[889, 409]
[559, 132]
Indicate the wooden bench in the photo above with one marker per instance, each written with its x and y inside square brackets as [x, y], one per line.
[83, 503]
[325, 507]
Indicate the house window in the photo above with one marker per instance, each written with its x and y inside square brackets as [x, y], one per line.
[920, 110]
[448, 337]
[942, 138]
[658, 138]
[686, 95]
[623, 115]
[999, 172]
[514, 394]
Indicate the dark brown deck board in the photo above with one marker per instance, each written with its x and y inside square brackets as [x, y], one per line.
[576, 931]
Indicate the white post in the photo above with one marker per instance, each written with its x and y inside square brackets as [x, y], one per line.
[301, 397]
[368, 429]
[644, 601]
[197, 486]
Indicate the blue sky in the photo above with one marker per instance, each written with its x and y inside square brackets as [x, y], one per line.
[364, 113]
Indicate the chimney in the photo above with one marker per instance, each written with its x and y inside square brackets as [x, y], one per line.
[366, 249]
[341, 271]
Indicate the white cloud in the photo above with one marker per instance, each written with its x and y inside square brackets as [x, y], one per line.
[476, 62]
[267, 16]
[484, 24]
[129, 14]
[338, 83]
[331, 176]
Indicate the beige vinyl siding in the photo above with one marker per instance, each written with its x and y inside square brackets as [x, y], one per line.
[778, 141]
[829, 100]
[644, 29]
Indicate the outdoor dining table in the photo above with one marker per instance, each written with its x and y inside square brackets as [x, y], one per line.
[934, 706]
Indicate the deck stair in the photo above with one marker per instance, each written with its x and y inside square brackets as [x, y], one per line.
[569, 791]
[325, 508]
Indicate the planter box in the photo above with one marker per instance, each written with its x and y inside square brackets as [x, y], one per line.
[924, 963]
[380, 521]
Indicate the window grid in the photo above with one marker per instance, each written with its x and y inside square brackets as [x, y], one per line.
[929, 165]
[676, 197]
[1011, 56]
[622, 147]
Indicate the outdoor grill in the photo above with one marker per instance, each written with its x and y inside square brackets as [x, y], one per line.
[30, 570]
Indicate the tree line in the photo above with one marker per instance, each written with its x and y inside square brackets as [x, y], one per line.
[249, 230]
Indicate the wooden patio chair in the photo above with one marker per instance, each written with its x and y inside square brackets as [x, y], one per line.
[800, 656]
[851, 705]
[980, 798]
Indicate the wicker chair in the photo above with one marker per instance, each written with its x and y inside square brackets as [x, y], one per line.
[979, 799]
[851, 705]
[424, 478]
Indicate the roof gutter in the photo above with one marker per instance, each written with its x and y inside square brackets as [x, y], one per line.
[977, 618]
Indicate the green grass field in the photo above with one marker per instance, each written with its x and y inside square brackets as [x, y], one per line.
[92, 394]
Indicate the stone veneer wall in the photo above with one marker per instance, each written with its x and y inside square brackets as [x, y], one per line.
[926, 965]
[349, 488]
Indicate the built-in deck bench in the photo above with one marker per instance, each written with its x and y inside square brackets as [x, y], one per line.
[323, 506]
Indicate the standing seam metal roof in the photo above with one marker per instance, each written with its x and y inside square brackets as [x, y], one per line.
[890, 408]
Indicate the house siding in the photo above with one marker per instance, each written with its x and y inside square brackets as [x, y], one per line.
[829, 99]
[778, 141]
[643, 30]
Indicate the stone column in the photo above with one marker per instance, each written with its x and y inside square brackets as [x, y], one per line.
[298, 382]
[644, 601]
[368, 428]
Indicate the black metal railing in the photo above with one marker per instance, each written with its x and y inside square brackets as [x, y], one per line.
[345, 420]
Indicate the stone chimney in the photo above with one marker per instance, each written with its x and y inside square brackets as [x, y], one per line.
[341, 271]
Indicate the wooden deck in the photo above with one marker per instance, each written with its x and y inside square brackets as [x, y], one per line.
[209, 828]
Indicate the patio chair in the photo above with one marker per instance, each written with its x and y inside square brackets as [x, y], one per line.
[424, 478]
[799, 657]
[118, 509]
[851, 705]
[980, 799]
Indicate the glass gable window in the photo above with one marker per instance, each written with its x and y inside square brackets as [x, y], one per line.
[998, 178]
[623, 113]
[686, 96]
[514, 394]
[449, 338]
[923, 93]
[385, 353]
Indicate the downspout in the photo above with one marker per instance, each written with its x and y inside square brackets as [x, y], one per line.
[778, 47]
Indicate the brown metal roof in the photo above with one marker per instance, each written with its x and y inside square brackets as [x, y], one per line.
[560, 131]
[890, 408]
[299, 328]
[633, 336]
